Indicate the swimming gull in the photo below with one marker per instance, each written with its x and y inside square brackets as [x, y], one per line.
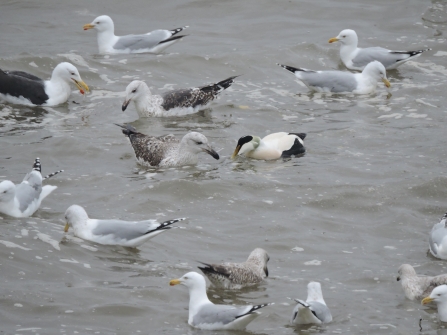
[154, 41]
[439, 296]
[356, 58]
[113, 232]
[238, 275]
[438, 239]
[342, 81]
[24, 199]
[167, 151]
[270, 147]
[418, 287]
[314, 309]
[175, 102]
[204, 314]
[23, 88]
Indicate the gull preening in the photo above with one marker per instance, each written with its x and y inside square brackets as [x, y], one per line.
[172, 103]
[24, 199]
[154, 41]
[204, 314]
[238, 275]
[314, 309]
[438, 239]
[113, 232]
[167, 150]
[356, 58]
[439, 296]
[342, 81]
[18, 87]
[273, 146]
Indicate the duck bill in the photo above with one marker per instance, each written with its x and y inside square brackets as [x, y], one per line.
[212, 153]
[66, 227]
[82, 87]
[175, 282]
[236, 151]
[333, 39]
[125, 104]
[88, 26]
[426, 300]
[386, 82]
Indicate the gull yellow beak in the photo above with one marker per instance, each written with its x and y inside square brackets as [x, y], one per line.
[386, 82]
[81, 86]
[174, 282]
[332, 40]
[426, 300]
[66, 227]
[88, 26]
[236, 151]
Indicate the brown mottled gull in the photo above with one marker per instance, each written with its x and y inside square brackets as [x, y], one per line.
[418, 287]
[238, 275]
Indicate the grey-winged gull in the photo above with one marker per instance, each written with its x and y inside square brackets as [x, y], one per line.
[154, 41]
[172, 103]
[270, 147]
[204, 314]
[418, 287]
[356, 58]
[439, 296]
[438, 239]
[23, 88]
[314, 309]
[113, 232]
[24, 199]
[167, 150]
[342, 81]
[238, 275]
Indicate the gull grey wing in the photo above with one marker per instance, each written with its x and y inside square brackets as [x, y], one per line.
[184, 98]
[224, 314]
[18, 83]
[321, 311]
[127, 230]
[384, 56]
[147, 41]
[437, 234]
[336, 81]
[27, 193]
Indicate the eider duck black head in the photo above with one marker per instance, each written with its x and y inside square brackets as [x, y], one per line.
[250, 142]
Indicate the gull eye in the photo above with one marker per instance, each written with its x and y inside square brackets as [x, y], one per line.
[344, 36]
[185, 277]
[98, 22]
[133, 91]
[199, 143]
[72, 73]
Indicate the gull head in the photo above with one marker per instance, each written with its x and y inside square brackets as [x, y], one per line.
[346, 37]
[376, 70]
[7, 191]
[314, 292]
[192, 280]
[69, 73]
[101, 23]
[260, 257]
[404, 271]
[245, 144]
[135, 91]
[74, 216]
[198, 142]
[438, 295]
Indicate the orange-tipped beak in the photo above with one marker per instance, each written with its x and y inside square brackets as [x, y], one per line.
[333, 39]
[174, 282]
[88, 26]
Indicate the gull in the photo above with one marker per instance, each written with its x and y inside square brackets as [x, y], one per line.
[167, 151]
[18, 87]
[155, 41]
[270, 147]
[314, 309]
[24, 199]
[175, 102]
[204, 314]
[113, 232]
[418, 287]
[342, 81]
[356, 58]
[439, 296]
[438, 239]
[238, 275]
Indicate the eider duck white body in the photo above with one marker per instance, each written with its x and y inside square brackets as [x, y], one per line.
[238, 275]
[439, 296]
[19, 87]
[314, 309]
[113, 232]
[204, 314]
[175, 102]
[154, 41]
[342, 81]
[273, 146]
[438, 239]
[356, 58]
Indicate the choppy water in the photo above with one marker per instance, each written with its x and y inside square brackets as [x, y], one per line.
[356, 206]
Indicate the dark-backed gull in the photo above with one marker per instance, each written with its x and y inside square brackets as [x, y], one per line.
[314, 309]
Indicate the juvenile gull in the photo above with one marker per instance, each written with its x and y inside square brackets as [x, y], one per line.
[342, 81]
[204, 314]
[356, 58]
[154, 41]
[238, 275]
[175, 102]
[418, 287]
[22, 88]
[167, 151]
[438, 239]
[113, 232]
[24, 199]
[270, 147]
[439, 296]
[314, 310]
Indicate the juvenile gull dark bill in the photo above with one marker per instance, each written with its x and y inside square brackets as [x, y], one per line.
[173, 103]
[438, 239]
[18, 87]
[154, 41]
[314, 309]
[167, 151]
[238, 275]
[113, 232]
[204, 314]
[356, 58]
[24, 199]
